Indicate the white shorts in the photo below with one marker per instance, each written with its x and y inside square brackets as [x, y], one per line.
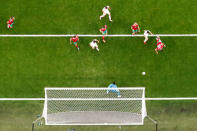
[106, 12]
[145, 35]
[93, 45]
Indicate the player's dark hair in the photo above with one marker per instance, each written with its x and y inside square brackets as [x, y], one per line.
[105, 7]
[148, 31]
[114, 82]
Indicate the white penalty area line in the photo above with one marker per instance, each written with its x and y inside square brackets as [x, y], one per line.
[91, 35]
[148, 99]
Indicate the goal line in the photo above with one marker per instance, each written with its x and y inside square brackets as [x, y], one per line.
[148, 99]
[94, 35]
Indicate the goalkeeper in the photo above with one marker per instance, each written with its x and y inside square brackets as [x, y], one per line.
[114, 89]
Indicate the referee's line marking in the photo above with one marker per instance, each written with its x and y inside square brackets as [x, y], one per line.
[94, 35]
[42, 99]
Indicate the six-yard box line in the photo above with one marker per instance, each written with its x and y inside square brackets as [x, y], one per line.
[94, 35]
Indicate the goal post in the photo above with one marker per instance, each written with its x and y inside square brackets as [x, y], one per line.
[94, 106]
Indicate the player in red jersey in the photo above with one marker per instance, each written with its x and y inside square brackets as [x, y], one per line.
[160, 45]
[10, 22]
[104, 32]
[135, 28]
[75, 40]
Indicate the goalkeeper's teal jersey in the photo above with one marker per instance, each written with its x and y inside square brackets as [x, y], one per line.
[112, 86]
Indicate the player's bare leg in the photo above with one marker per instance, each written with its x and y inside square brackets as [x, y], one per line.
[110, 18]
[102, 16]
[92, 47]
[133, 33]
[156, 51]
[8, 26]
[146, 39]
[97, 48]
[77, 47]
[103, 39]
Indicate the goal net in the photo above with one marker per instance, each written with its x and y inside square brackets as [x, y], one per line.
[94, 106]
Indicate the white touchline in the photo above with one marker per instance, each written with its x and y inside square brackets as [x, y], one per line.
[42, 99]
[92, 35]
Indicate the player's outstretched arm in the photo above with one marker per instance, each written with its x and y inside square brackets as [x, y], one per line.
[77, 37]
[138, 29]
[97, 40]
[70, 40]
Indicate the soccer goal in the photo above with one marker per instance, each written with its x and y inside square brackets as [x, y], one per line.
[94, 106]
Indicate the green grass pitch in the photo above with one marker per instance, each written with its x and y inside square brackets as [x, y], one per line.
[27, 65]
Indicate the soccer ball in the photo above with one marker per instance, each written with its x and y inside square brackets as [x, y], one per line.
[143, 73]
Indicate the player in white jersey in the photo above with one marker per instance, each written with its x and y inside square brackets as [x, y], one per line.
[94, 45]
[146, 33]
[106, 12]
